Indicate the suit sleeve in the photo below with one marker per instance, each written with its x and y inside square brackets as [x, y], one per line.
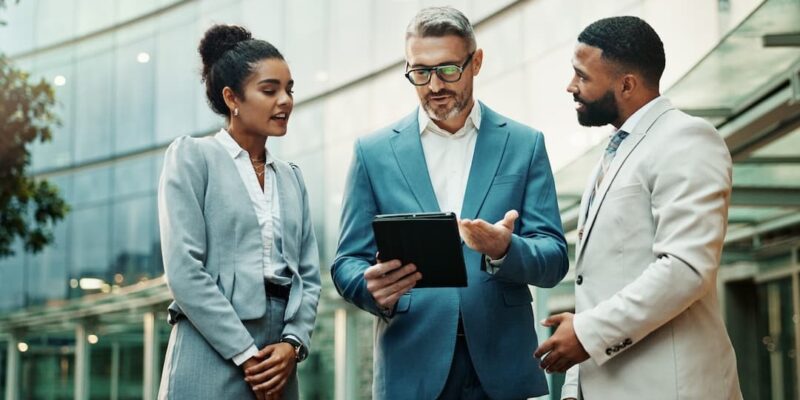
[357, 248]
[690, 184]
[181, 196]
[303, 323]
[538, 252]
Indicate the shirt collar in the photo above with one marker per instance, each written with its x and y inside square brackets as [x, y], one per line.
[234, 150]
[634, 119]
[425, 121]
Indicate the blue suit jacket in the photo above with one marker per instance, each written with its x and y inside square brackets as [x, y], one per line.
[414, 348]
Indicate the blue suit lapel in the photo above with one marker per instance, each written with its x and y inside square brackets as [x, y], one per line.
[411, 159]
[489, 148]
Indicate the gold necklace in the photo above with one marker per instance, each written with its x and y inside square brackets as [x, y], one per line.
[259, 166]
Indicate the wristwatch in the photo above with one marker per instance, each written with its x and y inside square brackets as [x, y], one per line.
[300, 352]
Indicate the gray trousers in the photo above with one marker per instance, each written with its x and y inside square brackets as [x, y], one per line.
[194, 370]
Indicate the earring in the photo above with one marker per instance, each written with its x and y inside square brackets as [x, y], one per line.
[236, 112]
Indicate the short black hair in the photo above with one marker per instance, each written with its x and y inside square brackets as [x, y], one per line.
[229, 54]
[629, 42]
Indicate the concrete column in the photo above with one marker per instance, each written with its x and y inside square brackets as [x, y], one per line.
[346, 353]
[12, 369]
[151, 345]
[114, 371]
[81, 377]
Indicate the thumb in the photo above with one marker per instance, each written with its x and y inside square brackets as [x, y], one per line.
[508, 219]
[552, 320]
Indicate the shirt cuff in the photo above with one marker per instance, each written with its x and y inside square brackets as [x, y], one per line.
[492, 266]
[240, 358]
[293, 337]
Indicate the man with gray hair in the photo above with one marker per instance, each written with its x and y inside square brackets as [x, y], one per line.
[453, 154]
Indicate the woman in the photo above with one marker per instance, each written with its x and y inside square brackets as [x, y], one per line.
[240, 255]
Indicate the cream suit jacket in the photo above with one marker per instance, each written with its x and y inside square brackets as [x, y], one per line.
[646, 267]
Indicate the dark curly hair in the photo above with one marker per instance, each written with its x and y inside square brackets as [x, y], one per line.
[629, 42]
[229, 54]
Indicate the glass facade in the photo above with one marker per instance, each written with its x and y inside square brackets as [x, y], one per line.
[126, 75]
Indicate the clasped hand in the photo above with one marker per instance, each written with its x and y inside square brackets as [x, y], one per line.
[269, 370]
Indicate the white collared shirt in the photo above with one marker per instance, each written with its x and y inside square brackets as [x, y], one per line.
[449, 157]
[449, 160]
[634, 119]
[268, 212]
[265, 204]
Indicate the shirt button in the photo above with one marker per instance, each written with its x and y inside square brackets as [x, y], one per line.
[579, 280]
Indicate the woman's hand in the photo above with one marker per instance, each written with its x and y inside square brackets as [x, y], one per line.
[276, 363]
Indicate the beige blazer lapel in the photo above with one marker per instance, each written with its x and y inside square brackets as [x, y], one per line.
[628, 145]
[583, 210]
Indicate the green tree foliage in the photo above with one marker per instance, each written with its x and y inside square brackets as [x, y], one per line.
[28, 207]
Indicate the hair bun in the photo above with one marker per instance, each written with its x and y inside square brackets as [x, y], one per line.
[217, 40]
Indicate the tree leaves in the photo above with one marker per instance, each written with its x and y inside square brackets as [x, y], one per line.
[28, 207]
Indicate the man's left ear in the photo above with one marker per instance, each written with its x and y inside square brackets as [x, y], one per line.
[630, 83]
[477, 61]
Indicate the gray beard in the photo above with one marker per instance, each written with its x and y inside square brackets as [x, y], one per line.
[444, 115]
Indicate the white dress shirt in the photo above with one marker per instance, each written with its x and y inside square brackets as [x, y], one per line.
[267, 209]
[449, 160]
[449, 157]
[631, 122]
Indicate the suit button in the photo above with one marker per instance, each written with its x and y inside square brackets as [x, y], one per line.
[608, 351]
[579, 280]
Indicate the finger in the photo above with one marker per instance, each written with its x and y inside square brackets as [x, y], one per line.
[380, 269]
[401, 286]
[399, 274]
[266, 351]
[544, 348]
[561, 366]
[553, 320]
[378, 285]
[391, 299]
[551, 358]
[263, 377]
[262, 366]
[277, 391]
[271, 384]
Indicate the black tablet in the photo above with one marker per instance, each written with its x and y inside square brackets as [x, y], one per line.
[428, 240]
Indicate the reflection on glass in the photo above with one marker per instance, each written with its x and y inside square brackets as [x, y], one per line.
[134, 248]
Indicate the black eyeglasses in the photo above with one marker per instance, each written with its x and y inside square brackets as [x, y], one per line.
[447, 73]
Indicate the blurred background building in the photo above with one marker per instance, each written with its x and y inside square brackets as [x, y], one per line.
[86, 318]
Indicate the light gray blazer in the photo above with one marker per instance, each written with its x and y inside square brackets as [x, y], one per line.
[647, 261]
[212, 247]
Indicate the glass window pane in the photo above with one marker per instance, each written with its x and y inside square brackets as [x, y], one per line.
[93, 100]
[94, 15]
[17, 37]
[176, 81]
[91, 186]
[89, 250]
[134, 177]
[134, 246]
[55, 21]
[133, 128]
[48, 270]
[12, 271]
[57, 69]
